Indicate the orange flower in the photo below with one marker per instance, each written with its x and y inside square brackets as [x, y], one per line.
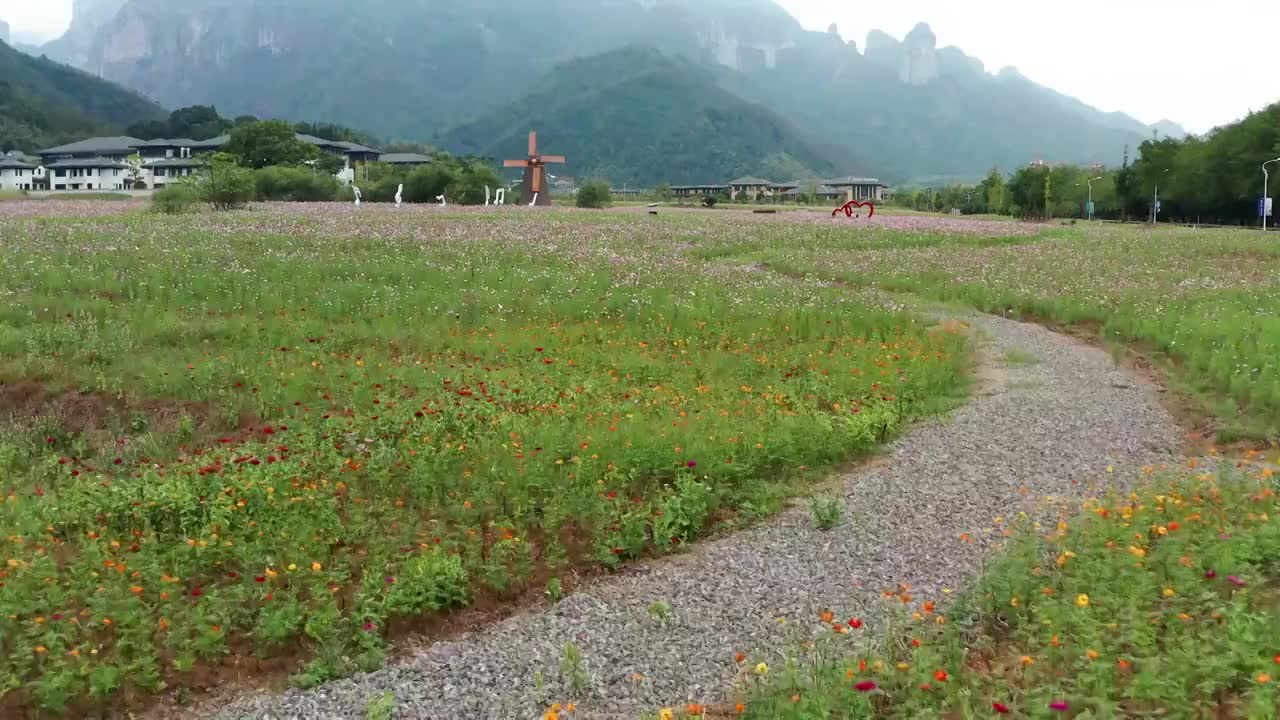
[316, 566]
[940, 675]
[695, 709]
[1124, 664]
[927, 607]
[1028, 661]
[827, 616]
[739, 708]
[1091, 654]
[740, 657]
[136, 589]
[1263, 679]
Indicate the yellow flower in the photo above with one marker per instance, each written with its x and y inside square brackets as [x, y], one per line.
[292, 567]
[316, 566]
[1082, 600]
[1028, 660]
[665, 714]
[1013, 602]
[1168, 592]
[551, 715]
[762, 668]
[1091, 654]
[903, 666]
[1137, 551]
[1263, 678]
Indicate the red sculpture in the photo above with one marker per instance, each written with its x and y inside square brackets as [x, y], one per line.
[848, 207]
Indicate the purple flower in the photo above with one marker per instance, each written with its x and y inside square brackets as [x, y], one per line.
[1210, 574]
[1060, 706]
[1235, 581]
[691, 464]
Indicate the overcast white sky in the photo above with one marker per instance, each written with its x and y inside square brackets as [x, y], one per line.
[1195, 63]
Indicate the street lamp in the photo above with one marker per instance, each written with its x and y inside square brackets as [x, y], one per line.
[1155, 201]
[1091, 180]
[1265, 177]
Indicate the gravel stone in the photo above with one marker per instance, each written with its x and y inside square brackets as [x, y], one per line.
[1028, 432]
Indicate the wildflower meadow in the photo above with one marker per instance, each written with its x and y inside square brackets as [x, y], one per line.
[274, 441]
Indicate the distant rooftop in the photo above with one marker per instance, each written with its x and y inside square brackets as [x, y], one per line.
[100, 145]
[9, 161]
[404, 158]
[852, 180]
[749, 181]
[99, 162]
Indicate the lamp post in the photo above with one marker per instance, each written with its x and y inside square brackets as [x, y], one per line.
[1265, 177]
[1155, 201]
[1091, 195]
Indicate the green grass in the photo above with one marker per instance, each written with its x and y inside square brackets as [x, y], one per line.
[1163, 603]
[1017, 357]
[297, 431]
[1201, 305]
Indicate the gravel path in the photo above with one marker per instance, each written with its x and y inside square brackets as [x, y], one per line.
[1031, 429]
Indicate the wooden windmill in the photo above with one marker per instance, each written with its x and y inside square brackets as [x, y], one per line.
[535, 180]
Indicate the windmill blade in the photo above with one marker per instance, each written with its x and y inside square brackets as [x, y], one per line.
[533, 143]
[553, 159]
[515, 163]
[537, 179]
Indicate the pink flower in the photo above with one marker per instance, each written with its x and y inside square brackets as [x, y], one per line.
[865, 686]
[390, 580]
[1210, 574]
[1060, 706]
[1236, 581]
[370, 627]
[691, 464]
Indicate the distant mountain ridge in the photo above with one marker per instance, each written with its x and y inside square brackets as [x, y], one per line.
[414, 69]
[45, 103]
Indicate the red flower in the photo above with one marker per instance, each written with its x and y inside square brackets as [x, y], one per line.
[1000, 708]
[196, 592]
[865, 686]
[117, 461]
[370, 627]
[55, 616]
[260, 579]
[691, 464]
[50, 440]
[940, 675]
[855, 623]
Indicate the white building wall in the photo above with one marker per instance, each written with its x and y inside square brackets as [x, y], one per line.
[16, 179]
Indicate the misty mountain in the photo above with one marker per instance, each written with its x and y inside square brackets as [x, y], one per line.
[45, 103]
[413, 69]
[638, 117]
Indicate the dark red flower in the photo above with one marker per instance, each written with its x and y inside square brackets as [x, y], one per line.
[117, 461]
[196, 592]
[260, 579]
[865, 686]
[1000, 708]
[855, 623]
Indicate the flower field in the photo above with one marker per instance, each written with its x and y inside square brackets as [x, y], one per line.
[1158, 603]
[1201, 303]
[278, 439]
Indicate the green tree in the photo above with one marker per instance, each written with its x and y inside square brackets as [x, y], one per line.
[225, 185]
[268, 142]
[593, 194]
[993, 192]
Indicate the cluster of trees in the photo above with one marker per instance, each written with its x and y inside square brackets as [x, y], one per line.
[461, 180]
[1214, 179]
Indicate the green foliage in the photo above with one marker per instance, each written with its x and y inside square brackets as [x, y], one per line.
[828, 512]
[225, 185]
[295, 184]
[593, 194]
[198, 122]
[268, 142]
[174, 199]
[1164, 600]
[43, 103]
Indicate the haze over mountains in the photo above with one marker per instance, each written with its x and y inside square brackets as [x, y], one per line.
[724, 87]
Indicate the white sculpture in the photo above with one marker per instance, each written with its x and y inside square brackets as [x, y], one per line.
[535, 200]
[399, 194]
[501, 197]
[486, 196]
[346, 176]
[356, 190]
[442, 201]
